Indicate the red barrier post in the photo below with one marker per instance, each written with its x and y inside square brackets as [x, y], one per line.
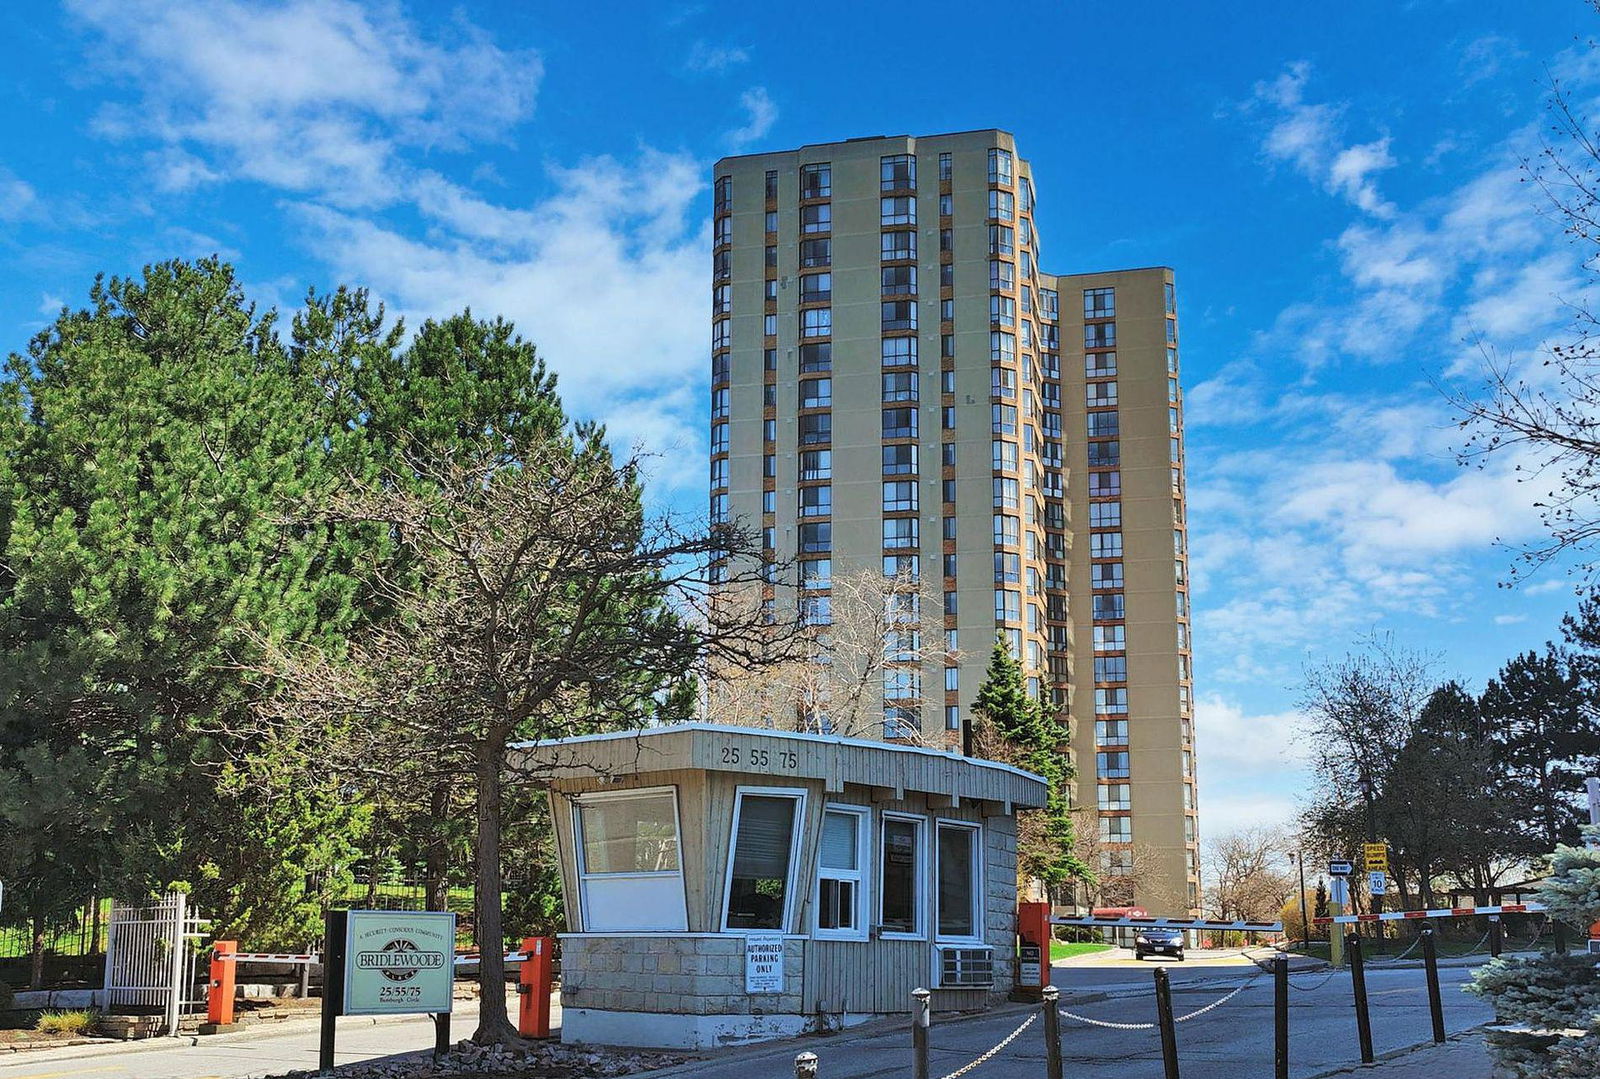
[1033, 965]
[220, 988]
[534, 987]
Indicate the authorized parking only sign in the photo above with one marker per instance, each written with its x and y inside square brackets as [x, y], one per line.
[398, 962]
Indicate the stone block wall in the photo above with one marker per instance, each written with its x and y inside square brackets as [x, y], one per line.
[685, 975]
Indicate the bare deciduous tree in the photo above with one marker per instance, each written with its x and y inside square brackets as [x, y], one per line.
[1122, 873]
[539, 601]
[1248, 874]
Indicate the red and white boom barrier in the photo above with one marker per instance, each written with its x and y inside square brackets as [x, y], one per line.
[1171, 923]
[1443, 912]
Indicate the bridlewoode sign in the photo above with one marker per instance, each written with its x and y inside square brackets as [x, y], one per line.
[398, 961]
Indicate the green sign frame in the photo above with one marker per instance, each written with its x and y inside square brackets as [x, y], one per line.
[399, 962]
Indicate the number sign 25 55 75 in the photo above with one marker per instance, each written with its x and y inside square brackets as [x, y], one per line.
[757, 757]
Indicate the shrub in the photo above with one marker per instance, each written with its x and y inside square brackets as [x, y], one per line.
[73, 1022]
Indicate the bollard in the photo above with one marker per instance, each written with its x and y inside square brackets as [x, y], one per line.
[220, 987]
[1169, 1030]
[1358, 982]
[1280, 1017]
[805, 1066]
[1052, 1033]
[1430, 963]
[920, 1017]
[1496, 935]
[534, 984]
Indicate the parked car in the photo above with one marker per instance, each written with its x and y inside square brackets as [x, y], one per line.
[1158, 942]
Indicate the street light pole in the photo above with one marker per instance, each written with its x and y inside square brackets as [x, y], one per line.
[1305, 921]
[1375, 901]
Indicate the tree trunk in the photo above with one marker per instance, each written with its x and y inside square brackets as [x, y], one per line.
[436, 868]
[36, 972]
[494, 1024]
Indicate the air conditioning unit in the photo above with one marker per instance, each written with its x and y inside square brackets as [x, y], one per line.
[963, 967]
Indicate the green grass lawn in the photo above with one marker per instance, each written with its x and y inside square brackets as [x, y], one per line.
[1062, 950]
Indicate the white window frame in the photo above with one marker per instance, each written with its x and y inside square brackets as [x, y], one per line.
[577, 803]
[861, 877]
[919, 878]
[978, 894]
[789, 884]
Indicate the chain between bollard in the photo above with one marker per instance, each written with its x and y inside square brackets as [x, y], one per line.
[986, 1057]
[1176, 1019]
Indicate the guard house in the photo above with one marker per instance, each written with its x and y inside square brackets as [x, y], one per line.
[729, 884]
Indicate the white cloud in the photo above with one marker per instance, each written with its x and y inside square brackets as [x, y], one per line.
[50, 305]
[312, 96]
[706, 57]
[761, 112]
[1509, 619]
[18, 199]
[1250, 766]
[1309, 137]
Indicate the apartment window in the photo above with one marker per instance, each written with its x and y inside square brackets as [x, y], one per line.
[1000, 166]
[816, 287]
[900, 876]
[1116, 829]
[630, 877]
[899, 495]
[1099, 303]
[909, 565]
[1005, 493]
[1007, 567]
[900, 386]
[947, 382]
[1105, 484]
[899, 351]
[769, 501]
[816, 573]
[899, 532]
[899, 245]
[816, 392]
[816, 427]
[721, 334]
[947, 454]
[946, 241]
[900, 423]
[816, 253]
[1002, 275]
[721, 299]
[719, 438]
[1172, 331]
[719, 404]
[898, 173]
[724, 231]
[947, 346]
[1103, 424]
[719, 473]
[1004, 419]
[1099, 335]
[1172, 420]
[722, 265]
[1004, 456]
[816, 322]
[769, 326]
[1003, 310]
[1007, 605]
[816, 356]
[765, 832]
[1100, 394]
[1002, 347]
[947, 491]
[1002, 205]
[719, 508]
[1116, 796]
[899, 281]
[840, 858]
[720, 369]
[1110, 732]
[1112, 765]
[722, 194]
[772, 221]
[1002, 240]
[769, 359]
[816, 538]
[1105, 454]
[816, 218]
[772, 184]
[945, 205]
[900, 315]
[816, 181]
[945, 168]
[772, 290]
[1182, 605]
[1007, 530]
[816, 501]
[898, 210]
[947, 310]
[959, 893]
[1111, 702]
[1110, 668]
[1172, 361]
[816, 464]
[1110, 638]
[900, 459]
[771, 257]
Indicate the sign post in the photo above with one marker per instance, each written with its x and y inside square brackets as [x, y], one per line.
[1338, 897]
[387, 962]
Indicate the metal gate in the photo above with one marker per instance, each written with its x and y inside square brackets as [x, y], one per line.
[153, 960]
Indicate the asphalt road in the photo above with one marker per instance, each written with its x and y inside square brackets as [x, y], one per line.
[1228, 1042]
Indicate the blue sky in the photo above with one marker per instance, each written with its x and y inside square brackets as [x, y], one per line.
[1339, 197]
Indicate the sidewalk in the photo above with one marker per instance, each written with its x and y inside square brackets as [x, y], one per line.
[1462, 1057]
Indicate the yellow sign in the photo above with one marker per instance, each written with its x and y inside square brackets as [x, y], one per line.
[1377, 856]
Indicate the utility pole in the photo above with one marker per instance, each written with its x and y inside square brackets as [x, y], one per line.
[1298, 858]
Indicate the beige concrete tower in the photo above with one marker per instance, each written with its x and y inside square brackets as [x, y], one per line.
[899, 389]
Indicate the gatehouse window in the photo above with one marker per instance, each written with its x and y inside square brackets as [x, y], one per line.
[957, 871]
[630, 875]
[841, 877]
[761, 863]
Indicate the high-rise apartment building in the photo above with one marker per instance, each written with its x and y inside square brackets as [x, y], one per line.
[898, 387]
